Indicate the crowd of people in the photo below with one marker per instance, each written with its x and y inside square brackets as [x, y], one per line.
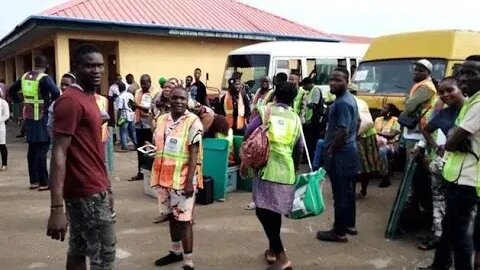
[173, 118]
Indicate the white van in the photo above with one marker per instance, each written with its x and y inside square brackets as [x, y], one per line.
[316, 59]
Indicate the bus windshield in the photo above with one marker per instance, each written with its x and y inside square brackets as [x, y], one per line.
[251, 68]
[392, 76]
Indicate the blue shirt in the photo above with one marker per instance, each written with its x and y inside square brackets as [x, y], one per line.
[444, 119]
[343, 115]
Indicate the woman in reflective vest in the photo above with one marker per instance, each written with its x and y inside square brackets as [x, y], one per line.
[455, 161]
[273, 189]
[170, 167]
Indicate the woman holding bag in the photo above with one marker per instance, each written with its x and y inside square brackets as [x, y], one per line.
[273, 188]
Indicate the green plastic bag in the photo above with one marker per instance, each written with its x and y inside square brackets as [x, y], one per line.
[308, 200]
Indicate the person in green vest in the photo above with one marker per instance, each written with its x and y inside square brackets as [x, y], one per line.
[38, 91]
[314, 110]
[462, 175]
[273, 189]
[263, 95]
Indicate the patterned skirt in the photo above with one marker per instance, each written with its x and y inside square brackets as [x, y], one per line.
[272, 196]
[369, 155]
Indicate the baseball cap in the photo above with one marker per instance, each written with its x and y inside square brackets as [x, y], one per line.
[425, 63]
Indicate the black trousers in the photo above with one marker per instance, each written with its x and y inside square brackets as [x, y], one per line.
[143, 135]
[312, 134]
[37, 162]
[4, 154]
[272, 223]
[456, 239]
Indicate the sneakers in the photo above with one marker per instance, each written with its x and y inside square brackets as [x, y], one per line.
[3, 168]
[169, 259]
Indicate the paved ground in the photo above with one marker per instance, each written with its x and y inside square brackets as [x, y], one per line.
[226, 236]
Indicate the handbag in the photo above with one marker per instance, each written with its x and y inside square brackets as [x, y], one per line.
[411, 121]
[255, 149]
[308, 199]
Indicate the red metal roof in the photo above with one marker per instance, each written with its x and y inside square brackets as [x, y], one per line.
[224, 15]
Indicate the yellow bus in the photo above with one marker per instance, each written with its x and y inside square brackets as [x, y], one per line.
[386, 72]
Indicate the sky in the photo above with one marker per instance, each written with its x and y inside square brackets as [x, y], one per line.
[355, 17]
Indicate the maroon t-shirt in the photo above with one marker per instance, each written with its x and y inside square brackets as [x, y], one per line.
[77, 115]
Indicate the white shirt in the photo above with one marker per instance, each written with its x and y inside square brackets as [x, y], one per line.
[113, 90]
[471, 123]
[125, 110]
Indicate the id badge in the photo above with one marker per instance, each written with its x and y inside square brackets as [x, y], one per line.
[173, 144]
[146, 101]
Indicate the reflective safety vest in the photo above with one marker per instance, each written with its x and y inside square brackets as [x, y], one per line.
[385, 126]
[102, 103]
[31, 95]
[143, 99]
[455, 160]
[283, 133]
[427, 108]
[259, 101]
[309, 111]
[229, 138]
[298, 101]
[228, 108]
[170, 167]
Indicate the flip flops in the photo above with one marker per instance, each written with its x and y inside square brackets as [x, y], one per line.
[250, 206]
[270, 257]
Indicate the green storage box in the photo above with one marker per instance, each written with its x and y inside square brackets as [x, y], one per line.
[215, 165]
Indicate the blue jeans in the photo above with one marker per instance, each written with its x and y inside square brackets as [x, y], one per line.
[456, 237]
[127, 127]
[318, 158]
[343, 189]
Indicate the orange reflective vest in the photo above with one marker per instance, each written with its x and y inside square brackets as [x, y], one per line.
[102, 103]
[143, 99]
[228, 108]
[382, 125]
[426, 111]
[170, 167]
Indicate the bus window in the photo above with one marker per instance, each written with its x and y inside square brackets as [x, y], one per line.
[342, 63]
[310, 68]
[251, 67]
[392, 76]
[456, 69]
[323, 68]
[288, 66]
[353, 66]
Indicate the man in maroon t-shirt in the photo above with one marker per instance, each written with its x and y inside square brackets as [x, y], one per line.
[78, 173]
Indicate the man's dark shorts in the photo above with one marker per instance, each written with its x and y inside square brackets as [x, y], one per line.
[91, 230]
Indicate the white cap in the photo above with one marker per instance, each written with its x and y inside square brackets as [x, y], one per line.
[424, 62]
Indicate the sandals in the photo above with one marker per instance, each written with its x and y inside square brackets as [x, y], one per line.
[137, 177]
[250, 206]
[270, 257]
[277, 266]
